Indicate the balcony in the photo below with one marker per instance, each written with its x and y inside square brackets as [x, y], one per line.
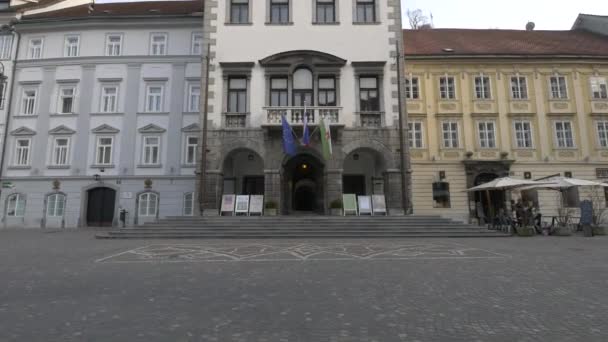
[295, 115]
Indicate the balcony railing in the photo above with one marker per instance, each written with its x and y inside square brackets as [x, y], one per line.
[295, 115]
[371, 119]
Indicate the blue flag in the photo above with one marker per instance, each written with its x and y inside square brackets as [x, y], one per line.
[306, 134]
[289, 144]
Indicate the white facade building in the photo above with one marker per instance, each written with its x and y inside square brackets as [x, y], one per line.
[105, 114]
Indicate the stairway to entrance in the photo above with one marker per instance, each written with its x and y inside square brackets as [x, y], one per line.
[292, 227]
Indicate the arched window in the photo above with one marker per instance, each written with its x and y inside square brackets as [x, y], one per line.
[188, 204]
[55, 205]
[303, 88]
[148, 204]
[15, 206]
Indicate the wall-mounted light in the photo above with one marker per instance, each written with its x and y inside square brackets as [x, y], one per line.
[250, 157]
[96, 177]
[441, 175]
[304, 166]
[568, 174]
[527, 175]
[356, 156]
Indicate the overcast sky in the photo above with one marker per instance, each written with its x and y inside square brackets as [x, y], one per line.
[506, 14]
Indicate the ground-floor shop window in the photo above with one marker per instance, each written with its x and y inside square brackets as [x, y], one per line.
[570, 198]
[441, 195]
[55, 205]
[148, 204]
[15, 206]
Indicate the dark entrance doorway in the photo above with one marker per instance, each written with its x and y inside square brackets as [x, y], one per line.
[488, 203]
[100, 207]
[253, 185]
[303, 185]
[353, 184]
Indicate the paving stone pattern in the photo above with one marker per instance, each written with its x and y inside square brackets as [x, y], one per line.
[59, 287]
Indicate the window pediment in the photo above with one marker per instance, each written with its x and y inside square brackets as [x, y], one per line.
[151, 128]
[23, 131]
[192, 128]
[105, 129]
[299, 57]
[62, 130]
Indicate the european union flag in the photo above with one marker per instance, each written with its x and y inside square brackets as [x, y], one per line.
[289, 143]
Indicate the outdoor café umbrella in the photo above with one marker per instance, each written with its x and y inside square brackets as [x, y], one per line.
[562, 183]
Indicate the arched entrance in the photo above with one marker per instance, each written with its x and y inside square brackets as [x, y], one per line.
[488, 203]
[364, 172]
[243, 171]
[101, 203]
[303, 185]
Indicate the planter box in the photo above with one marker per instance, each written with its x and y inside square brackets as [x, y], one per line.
[563, 231]
[601, 230]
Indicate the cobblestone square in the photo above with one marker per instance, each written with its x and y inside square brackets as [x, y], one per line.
[67, 286]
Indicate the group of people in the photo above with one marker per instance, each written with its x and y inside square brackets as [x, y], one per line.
[522, 214]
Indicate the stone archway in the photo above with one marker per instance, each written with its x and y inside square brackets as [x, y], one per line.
[364, 172]
[243, 173]
[303, 185]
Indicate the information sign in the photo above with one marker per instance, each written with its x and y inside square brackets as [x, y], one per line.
[379, 204]
[365, 205]
[256, 205]
[228, 204]
[242, 204]
[349, 202]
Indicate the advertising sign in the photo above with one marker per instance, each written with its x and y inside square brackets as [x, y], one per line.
[228, 204]
[256, 205]
[379, 204]
[349, 201]
[242, 204]
[365, 205]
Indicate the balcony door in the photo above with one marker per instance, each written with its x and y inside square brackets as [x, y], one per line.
[303, 91]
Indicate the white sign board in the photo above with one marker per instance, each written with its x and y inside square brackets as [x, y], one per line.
[242, 204]
[349, 204]
[228, 204]
[256, 205]
[365, 205]
[379, 204]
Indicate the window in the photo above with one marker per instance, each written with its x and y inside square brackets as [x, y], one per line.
[194, 98]
[35, 48]
[369, 99]
[114, 45]
[239, 11]
[558, 87]
[279, 11]
[415, 134]
[72, 46]
[523, 134]
[104, 151]
[563, 134]
[154, 98]
[28, 102]
[151, 150]
[571, 198]
[325, 11]
[482, 88]
[441, 195]
[188, 204]
[327, 91]
[158, 44]
[599, 88]
[197, 43]
[447, 87]
[487, 134]
[109, 99]
[15, 206]
[148, 204]
[55, 205]
[278, 92]
[237, 95]
[412, 88]
[602, 133]
[366, 11]
[450, 134]
[60, 151]
[22, 151]
[66, 100]
[519, 88]
[190, 150]
[6, 44]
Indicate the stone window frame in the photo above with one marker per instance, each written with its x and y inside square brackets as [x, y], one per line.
[409, 94]
[151, 43]
[138, 203]
[46, 204]
[523, 96]
[495, 131]
[24, 89]
[370, 69]
[75, 97]
[597, 123]
[572, 133]
[236, 70]
[336, 13]
[30, 47]
[190, 84]
[117, 97]
[455, 83]
[193, 38]
[515, 141]
[108, 43]
[67, 47]
[377, 14]
[68, 151]
[483, 77]
[290, 14]
[560, 90]
[7, 200]
[228, 19]
[28, 164]
[411, 131]
[598, 80]
[458, 133]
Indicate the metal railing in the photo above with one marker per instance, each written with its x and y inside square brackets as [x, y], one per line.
[295, 115]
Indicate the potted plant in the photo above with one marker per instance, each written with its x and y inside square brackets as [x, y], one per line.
[335, 207]
[526, 231]
[271, 208]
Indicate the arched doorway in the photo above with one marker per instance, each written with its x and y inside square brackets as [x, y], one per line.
[303, 185]
[364, 171]
[243, 171]
[101, 203]
[488, 203]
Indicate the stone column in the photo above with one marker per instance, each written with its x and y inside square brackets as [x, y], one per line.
[392, 191]
[333, 187]
[272, 187]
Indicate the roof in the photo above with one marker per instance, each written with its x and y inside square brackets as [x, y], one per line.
[124, 9]
[473, 42]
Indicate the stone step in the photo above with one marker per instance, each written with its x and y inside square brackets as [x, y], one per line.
[329, 235]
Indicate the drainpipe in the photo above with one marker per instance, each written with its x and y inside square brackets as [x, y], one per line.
[16, 34]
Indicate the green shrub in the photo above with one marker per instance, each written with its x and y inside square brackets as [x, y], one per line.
[271, 205]
[526, 231]
[336, 204]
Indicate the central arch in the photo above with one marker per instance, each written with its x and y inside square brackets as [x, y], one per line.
[303, 185]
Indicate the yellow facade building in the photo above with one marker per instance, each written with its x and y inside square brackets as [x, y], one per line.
[489, 103]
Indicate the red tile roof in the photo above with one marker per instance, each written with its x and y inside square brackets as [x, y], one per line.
[122, 9]
[470, 42]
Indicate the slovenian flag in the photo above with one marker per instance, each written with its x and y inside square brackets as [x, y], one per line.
[289, 144]
[325, 131]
